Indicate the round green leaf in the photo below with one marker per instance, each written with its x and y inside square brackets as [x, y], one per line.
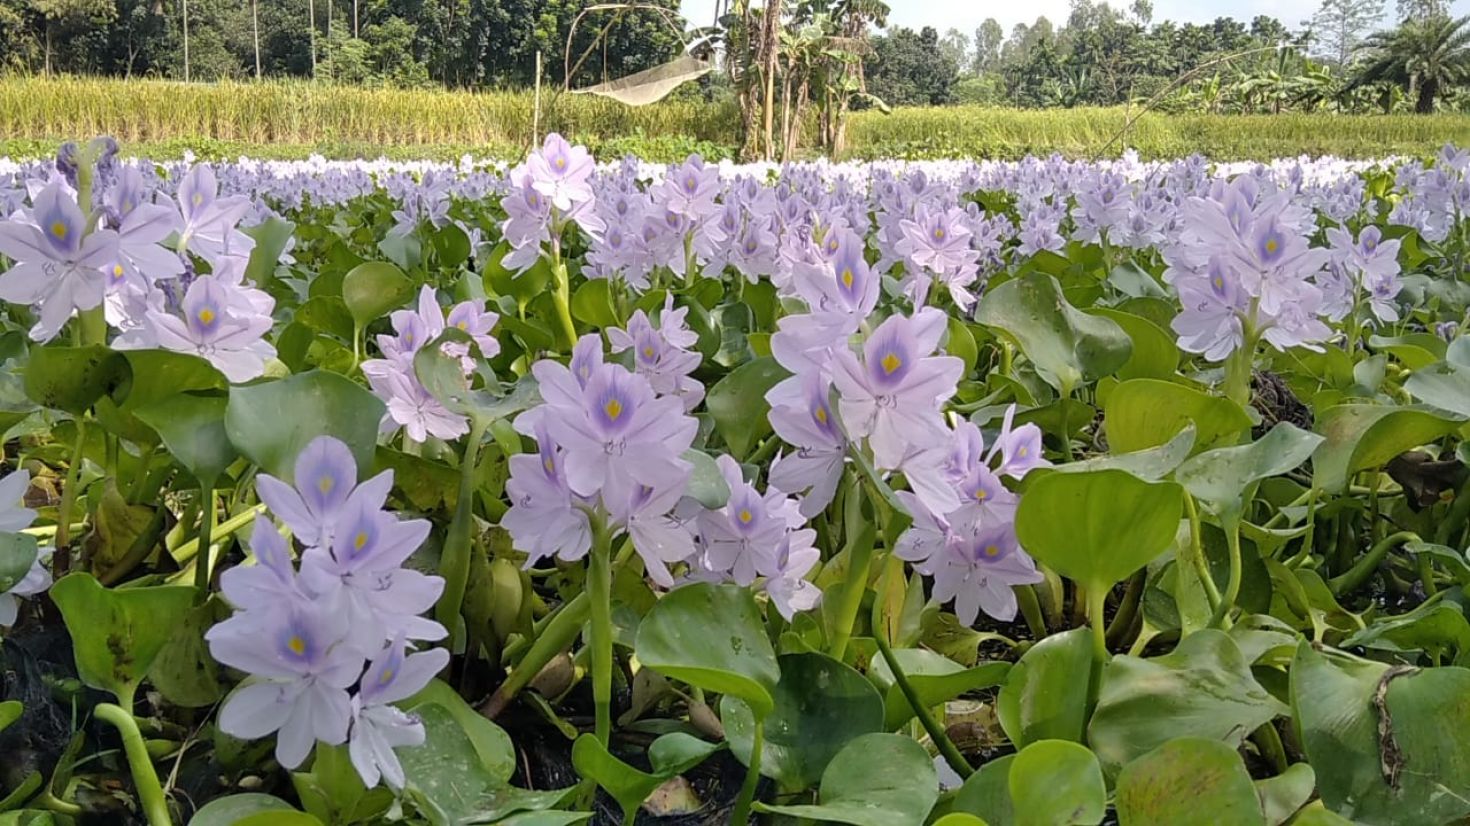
[627, 785]
[1220, 477]
[1066, 345]
[10, 711]
[271, 237]
[1383, 740]
[1283, 795]
[17, 555]
[371, 289]
[1151, 465]
[271, 422]
[1154, 353]
[231, 809]
[1189, 781]
[987, 793]
[876, 780]
[491, 745]
[1203, 687]
[1043, 697]
[592, 304]
[1364, 436]
[74, 378]
[820, 705]
[934, 677]
[193, 429]
[738, 403]
[116, 634]
[1057, 783]
[160, 374]
[712, 637]
[707, 484]
[1097, 528]
[1144, 413]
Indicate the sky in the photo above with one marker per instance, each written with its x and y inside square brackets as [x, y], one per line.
[967, 15]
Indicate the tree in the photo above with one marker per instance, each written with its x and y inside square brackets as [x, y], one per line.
[1425, 57]
[1339, 27]
[988, 38]
[69, 16]
[908, 68]
[955, 46]
[1423, 9]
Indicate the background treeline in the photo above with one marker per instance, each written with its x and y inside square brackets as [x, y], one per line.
[404, 43]
[1352, 55]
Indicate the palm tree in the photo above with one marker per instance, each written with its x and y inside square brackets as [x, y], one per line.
[1426, 57]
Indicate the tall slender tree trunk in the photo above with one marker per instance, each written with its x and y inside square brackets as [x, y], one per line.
[185, 4]
[769, 43]
[311, 15]
[1428, 90]
[354, 18]
[48, 47]
[331, 63]
[255, 31]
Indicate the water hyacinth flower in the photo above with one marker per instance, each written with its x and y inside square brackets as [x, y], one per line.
[36, 581]
[660, 354]
[223, 328]
[362, 572]
[325, 490]
[304, 636]
[936, 245]
[977, 568]
[561, 172]
[808, 424]
[14, 515]
[744, 537]
[785, 584]
[208, 226]
[545, 518]
[615, 432]
[1374, 266]
[304, 668]
[378, 727]
[892, 396]
[56, 268]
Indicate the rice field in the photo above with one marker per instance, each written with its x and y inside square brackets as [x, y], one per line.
[293, 119]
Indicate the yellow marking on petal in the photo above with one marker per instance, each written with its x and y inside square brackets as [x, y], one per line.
[117, 271]
[847, 277]
[613, 409]
[939, 234]
[1272, 246]
[463, 325]
[297, 645]
[387, 676]
[198, 199]
[561, 163]
[992, 551]
[359, 541]
[820, 414]
[1219, 283]
[549, 464]
[745, 516]
[206, 316]
[891, 362]
[59, 230]
[647, 351]
[982, 494]
[1022, 452]
[325, 484]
